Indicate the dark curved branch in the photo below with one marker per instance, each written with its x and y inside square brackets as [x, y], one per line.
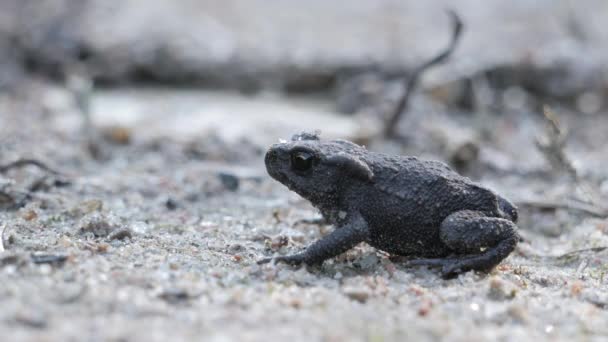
[26, 162]
[412, 81]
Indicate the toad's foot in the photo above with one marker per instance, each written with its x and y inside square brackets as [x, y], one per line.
[337, 242]
[294, 259]
[450, 267]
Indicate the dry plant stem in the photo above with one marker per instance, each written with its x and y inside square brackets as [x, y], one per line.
[26, 162]
[412, 81]
[552, 146]
[584, 250]
[49, 258]
[2, 230]
[578, 206]
[82, 87]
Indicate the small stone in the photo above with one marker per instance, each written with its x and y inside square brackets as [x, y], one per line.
[7, 258]
[359, 294]
[417, 290]
[465, 155]
[230, 181]
[118, 135]
[175, 295]
[576, 288]
[97, 247]
[278, 242]
[368, 261]
[65, 242]
[171, 204]
[390, 268]
[120, 234]
[32, 319]
[53, 259]
[101, 247]
[425, 307]
[97, 224]
[29, 215]
[87, 207]
[518, 313]
[501, 289]
[235, 248]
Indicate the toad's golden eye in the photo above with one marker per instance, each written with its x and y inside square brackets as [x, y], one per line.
[301, 161]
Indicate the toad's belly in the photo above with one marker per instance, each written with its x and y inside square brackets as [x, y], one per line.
[415, 241]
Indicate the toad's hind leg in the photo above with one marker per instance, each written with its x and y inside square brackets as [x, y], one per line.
[479, 242]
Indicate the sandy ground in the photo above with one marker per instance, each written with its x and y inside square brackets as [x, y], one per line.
[161, 207]
[158, 239]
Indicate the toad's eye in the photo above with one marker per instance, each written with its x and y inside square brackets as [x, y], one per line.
[301, 161]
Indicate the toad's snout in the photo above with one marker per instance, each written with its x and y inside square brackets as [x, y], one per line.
[275, 161]
[271, 159]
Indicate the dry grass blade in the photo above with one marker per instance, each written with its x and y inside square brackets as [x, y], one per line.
[571, 205]
[27, 162]
[552, 144]
[2, 229]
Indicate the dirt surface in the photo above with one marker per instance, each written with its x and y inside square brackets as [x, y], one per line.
[158, 239]
[155, 206]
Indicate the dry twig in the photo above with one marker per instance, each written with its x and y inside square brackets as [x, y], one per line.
[27, 162]
[552, 144]
[412, 81]
[570, 205]
[2, 230]
[53, 259]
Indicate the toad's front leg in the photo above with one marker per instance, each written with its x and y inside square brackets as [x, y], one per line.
[346, 236]
[479, 242]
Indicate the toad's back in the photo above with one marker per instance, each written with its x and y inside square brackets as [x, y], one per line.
[410, 198]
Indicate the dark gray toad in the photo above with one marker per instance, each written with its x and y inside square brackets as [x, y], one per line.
[401, 205]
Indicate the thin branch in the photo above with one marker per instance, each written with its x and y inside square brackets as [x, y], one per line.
[54, 259]
[26, 162]
[577, 206]
[581, 251]
[552, 145]
[412, 81]
[3, 229]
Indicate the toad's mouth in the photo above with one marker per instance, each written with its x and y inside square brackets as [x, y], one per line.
[278, 175]
[281, 177]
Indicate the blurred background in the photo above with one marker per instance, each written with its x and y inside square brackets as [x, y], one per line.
[157, 114]
[258, 71]
[184, 67]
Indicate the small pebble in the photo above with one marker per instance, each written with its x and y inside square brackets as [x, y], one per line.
[171, 204]
[278, 242]
[576, 288]
[32, 319]
[501, 289]
[175, 295]
[230, 181]
[118, 135]
[53, 259]
[120, 234]
[359, 294]
[30, 215]
[97, 224]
